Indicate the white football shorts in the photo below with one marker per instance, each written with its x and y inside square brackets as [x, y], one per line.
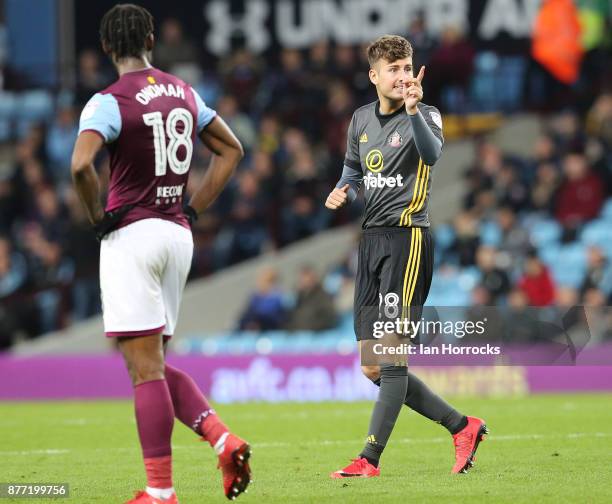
[143, 271]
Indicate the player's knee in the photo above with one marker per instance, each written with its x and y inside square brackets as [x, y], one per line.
[371, 372]
[146, 370]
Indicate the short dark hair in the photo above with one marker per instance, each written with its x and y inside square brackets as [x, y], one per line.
[389, 47]
[125, 28]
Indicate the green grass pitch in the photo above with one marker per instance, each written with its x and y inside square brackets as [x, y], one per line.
[555, 448]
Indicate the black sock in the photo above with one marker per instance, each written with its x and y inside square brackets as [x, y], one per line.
[462, 424]
[373, 461]
[421, 399]
[393, 388]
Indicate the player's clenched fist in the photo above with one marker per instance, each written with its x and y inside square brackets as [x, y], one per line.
[337, 198]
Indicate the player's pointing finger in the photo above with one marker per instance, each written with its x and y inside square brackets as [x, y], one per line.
[419, 77]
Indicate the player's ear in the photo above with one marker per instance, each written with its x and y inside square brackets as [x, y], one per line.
[149, 42]
[373, 76]
[106, 48]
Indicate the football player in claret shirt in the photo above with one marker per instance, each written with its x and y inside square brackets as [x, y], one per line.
[392, 145]
[148, 121]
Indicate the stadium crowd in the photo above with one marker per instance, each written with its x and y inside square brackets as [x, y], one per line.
[291, 115]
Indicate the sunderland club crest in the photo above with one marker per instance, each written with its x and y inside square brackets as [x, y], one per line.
[395, 139]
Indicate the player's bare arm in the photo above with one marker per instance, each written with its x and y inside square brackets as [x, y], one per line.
[84, 175]
[227, 153]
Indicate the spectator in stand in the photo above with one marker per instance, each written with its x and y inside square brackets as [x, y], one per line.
[599, 273]
[304, 213]
[339, 112]
[509, 188]
[270, 180]
[537, 283]
[480, 297]
[544, 187]
[51, 214]
[90, 77]
[580, 195]
[566, 297]
[514, 238]
[240, 123]
[567, 132]
[598, 314]
[467, 238]
[9, 202]
[14, 306]
[265, 310]
[29, 179]
[269, 134]
[173, 48]
[450, 65]
[481, 176]
[314, 308]
[545, 150]
[599, 118]
[494, 278]
[51, 273]
[421, 40]
[595, 298]
[345, 65]
[319, 62]
[60, 139]
[241, 75]
[521, 326]
[317, 76]
[244, 231]
[83, 250]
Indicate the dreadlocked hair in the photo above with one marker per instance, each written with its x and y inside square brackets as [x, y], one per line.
[125, 28]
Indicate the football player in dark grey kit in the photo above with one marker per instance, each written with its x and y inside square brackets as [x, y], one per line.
[392, 145]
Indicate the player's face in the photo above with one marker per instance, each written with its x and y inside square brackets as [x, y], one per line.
[390, 77]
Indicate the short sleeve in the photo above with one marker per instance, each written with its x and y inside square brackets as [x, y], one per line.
[101, 114]
[352, 146]
[433, 118]
[205, 113]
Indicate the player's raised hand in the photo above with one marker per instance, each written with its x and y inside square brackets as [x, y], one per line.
[413, 92]
[337, 198]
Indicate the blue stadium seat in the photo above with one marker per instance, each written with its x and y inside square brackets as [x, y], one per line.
[35, 106]
[497, 83]
[450, 289]
[598, 232]
[490, 234]
[510, 83]
[444, 236]
[569, 265]
[453, 99]
[8, 110]
[469, 278]
[8, 106]
[606, 211]
[549, 254]
[546, 233]
[483, 85]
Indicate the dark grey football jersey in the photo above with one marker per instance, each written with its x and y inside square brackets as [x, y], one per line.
[395, 179]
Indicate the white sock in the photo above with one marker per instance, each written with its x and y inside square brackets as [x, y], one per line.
[160, 493]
